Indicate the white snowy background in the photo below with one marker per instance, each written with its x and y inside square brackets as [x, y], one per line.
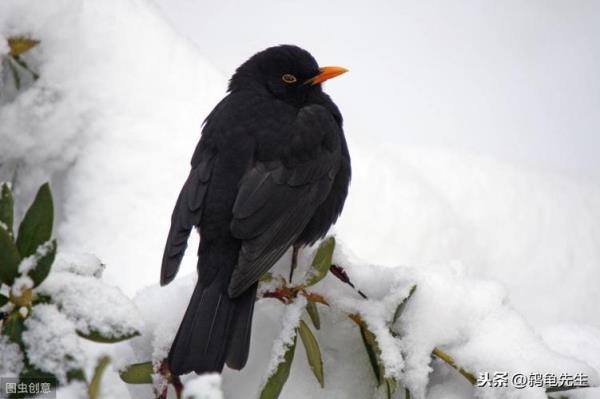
[473, 128]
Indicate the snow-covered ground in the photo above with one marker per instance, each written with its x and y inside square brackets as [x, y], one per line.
[508, 256]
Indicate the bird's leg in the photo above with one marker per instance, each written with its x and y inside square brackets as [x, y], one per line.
[295, 250]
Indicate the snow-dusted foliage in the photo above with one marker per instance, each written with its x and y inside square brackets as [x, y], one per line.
[450, 314]
[119, 93]
[51, 343]
[45, 313]
[93, 306]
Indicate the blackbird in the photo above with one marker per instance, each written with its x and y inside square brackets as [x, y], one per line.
[271, 171]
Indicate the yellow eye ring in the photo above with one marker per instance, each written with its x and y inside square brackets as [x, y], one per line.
[289, 78]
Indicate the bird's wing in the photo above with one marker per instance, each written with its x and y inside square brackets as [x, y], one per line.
[276, 199]
[187, 212]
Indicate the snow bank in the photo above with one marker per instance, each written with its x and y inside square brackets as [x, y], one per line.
[536, 233]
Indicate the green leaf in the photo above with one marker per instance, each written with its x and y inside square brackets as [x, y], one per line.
[94, 387]
[390, 386]
[3, 300]
[75, 374]
[13, 328]
[36, 227]
[313, 352]
[15, 73]
[313, 313]
[373, 352]
[6, 207]
[266, 277]
[98, 337]
[30, 373]
[321, 262]
[44, 260]
[138, 373]
[9, 258]
[276, 381]
[402, 304]
[38, 299]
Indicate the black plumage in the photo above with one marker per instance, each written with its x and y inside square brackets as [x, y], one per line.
[271, 170]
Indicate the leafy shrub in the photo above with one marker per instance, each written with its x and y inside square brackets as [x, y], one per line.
[44, 313]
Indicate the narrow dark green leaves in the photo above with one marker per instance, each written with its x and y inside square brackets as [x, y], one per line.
[402, 304]
[9, 258]
[76, 374]
[390, 386]
[43, 263]
[373, 352]
[138, 373]
[94, 387]
[13, 327]
[266, 278]
[313, 352]
[276, 381]
[36, 227]
[321, 262]
[104, 339]
[313, 313]
[6, 207]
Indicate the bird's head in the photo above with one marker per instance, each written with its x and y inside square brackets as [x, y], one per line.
[286, 72]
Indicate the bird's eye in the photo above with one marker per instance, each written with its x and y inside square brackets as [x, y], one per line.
[289, 78]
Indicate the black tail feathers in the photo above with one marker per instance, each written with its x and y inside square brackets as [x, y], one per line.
[215, 330]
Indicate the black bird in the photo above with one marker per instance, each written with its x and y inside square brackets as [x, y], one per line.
[271, 171]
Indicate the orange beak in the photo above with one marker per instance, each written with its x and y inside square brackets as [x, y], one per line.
[326, 73]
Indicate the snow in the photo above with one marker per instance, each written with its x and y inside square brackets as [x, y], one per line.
[159, 328]
[51, 342]
[92, 305]
[115, 121]
[207, 386]
[534, 232]
[289, 323]
[21, 283]
[504, 256]
[84, 264]
[579, 341]
[11, 358]
[74, 390]
[31, 261]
